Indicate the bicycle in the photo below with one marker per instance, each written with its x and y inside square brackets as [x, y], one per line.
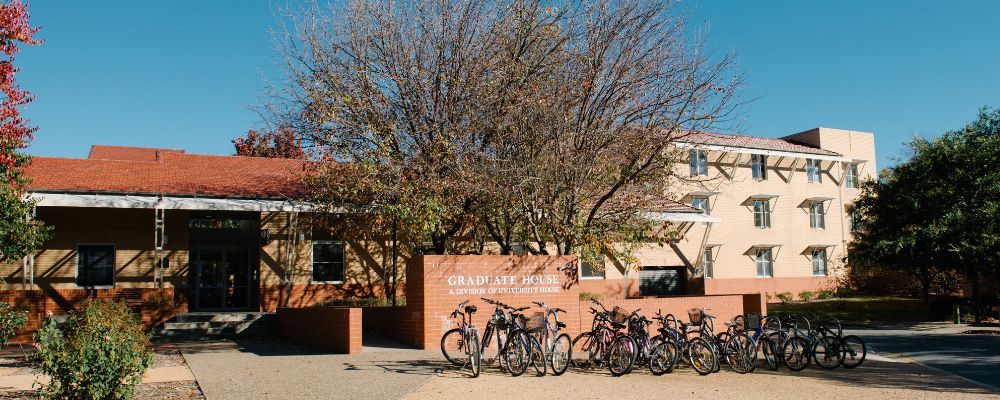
[663, 354]
[692, 348]
[557, 345]
[463, 340]
[762, 340]
[606, 343]
[498, 326]
[522, 349]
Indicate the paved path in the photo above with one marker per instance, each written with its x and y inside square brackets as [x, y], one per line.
[942, 346]
[153, 375]
[276, 370]
[271, 369]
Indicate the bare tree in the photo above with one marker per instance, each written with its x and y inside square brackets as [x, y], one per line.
[541, 122]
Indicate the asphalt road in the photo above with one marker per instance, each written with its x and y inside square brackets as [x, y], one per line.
[975, 357]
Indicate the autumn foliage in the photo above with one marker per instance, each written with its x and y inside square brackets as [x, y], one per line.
[273, 144]
[19, 233]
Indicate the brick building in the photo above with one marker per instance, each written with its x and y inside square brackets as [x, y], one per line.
[232, 233]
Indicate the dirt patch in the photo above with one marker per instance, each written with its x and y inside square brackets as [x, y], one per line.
[184, 390]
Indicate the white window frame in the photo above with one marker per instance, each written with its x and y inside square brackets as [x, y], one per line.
[765, 213]
[698, 159]
[114, 266]
[707, 210]
[765, 268]
[817, 218]
[814, 170]
[822, 260]
[604, 270]
[708, 262]
[312, 260]
[851, 178]
[758, 167]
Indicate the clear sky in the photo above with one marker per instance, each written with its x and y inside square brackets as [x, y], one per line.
[186, 74]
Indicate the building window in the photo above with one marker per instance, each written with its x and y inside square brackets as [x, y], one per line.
[814, 171]
[819, 262]
[817, 217]
[851, 178]
[765, 267]
[328, 261]
[709, 262]
[95, 265]
[700, 203]
[699, 163]
[852, 220]
[592, 269]
[758, 166]
[762, 213]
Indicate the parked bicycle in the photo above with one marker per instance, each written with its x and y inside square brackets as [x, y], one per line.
[606, 343]
[461, 345]
[557, 346]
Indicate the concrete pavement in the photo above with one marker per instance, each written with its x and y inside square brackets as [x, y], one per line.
[942, 346]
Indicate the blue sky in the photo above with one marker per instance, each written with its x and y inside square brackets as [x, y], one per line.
[186, 74]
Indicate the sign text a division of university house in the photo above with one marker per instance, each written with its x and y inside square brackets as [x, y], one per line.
[503, 284]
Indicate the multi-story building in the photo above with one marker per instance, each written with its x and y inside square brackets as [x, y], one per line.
[757, 215]
[781, 216]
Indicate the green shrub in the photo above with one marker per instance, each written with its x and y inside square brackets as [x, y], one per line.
[825, 294]
[806, 295]
[100, 353]
[587, 296]
[785, 297]
[158, 301]
[11, 322]
[361, 302]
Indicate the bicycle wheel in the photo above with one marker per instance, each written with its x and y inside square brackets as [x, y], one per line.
[622, 355]
[663, 358]
[537, 356]
[741, 353]
[475, 356]
[701, 356]
[517, 352]
[585, 351]
[561, 354]
[796, 353]
[826, 352]
[854, 350]
[770, 353]
[453, 347]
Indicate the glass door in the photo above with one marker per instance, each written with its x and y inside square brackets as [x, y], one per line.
[222, 278]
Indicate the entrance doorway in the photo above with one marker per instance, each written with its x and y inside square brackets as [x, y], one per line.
[224, 261]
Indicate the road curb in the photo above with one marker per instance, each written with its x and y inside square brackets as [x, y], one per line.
[932, 368]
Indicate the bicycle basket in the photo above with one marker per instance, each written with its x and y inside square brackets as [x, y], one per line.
[619, 315]
[696, 315]
[753, 320]
[536, 321]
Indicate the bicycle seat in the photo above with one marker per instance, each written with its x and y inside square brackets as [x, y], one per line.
[617, 325]
[470, 309]
[561, 324]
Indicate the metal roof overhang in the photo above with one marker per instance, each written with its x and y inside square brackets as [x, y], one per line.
[747, 150]
[172, 203]
[680, 217]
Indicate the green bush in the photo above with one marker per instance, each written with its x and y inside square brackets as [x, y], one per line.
[806, 295]
[100, 353]
[11, 322]
[587, 296]
[158, 301]
[785, 297]
[825, 294]
[361, 302]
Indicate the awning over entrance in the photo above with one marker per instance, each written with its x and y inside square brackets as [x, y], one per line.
[169, 202]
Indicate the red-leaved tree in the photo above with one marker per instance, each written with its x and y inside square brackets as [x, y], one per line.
[20, 233]
[281, 143]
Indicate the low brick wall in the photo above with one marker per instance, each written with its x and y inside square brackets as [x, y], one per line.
[336, 329]
[39, 303]
[398, 323]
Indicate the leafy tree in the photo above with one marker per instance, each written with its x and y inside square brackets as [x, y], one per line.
[20, 234]
[937, 211]
[281, 143]
[542, 124]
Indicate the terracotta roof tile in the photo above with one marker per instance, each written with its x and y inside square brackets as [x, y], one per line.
[751, 142]
[125, 153]
[174, 173]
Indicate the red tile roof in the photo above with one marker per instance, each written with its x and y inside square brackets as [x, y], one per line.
[125, 153]
[671, 206]
[170, 172]
[751, 142]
